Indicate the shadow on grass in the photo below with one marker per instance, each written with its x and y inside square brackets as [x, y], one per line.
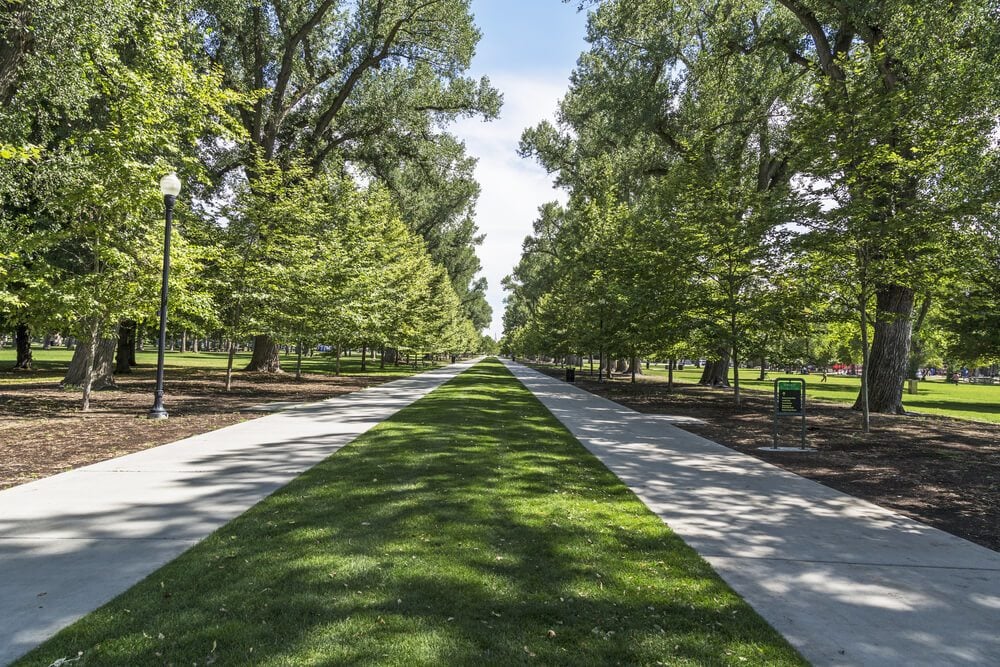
[470, 528]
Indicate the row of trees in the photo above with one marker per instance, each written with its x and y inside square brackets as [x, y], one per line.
[742, 174]
[324, 199]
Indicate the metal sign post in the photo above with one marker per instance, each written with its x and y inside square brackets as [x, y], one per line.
[789, 401]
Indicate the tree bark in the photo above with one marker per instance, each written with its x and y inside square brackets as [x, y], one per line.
[886, 369]
[136, 345]
[22, 341]
[916, 360]
[93, 361]
[716, 373]
[229, 365]
[865, 365]
[364, 357]
[670, 375]
[734, 341]
[265, 357]
[125, 354]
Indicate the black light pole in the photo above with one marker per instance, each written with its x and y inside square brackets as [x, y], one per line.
[170, 186]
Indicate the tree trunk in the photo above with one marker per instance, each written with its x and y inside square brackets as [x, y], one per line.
[736, 377]
[337, 372]
[229, 365]
[635, 365]
[136, 345]
[734, 338]
[916, 360]
[22, 341]
[763, 369]
[886, 367]
[621, 366]
[265, 357]
[298, 363]
[184, 341]
[126, 346]
[93, 362]
[364, 357]
[90, 351]
[716, 373]
[670, 375]
[381, 362]
[865, 366]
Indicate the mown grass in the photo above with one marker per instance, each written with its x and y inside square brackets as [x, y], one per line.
[471, 528]
[963, 401]
[55, 361]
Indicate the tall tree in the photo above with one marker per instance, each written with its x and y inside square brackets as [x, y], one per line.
[903, 103]
[343, 83]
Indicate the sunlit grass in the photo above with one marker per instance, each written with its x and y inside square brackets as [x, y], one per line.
[52, 363]
[962, 401]
[471, 528]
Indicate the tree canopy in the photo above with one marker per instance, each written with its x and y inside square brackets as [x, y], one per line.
[732, 166]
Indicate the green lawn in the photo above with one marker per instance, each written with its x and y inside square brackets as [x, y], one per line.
[471, 528]
[962, 401]
[55, 361]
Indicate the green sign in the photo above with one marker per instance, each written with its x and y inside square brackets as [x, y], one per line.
[789, 399]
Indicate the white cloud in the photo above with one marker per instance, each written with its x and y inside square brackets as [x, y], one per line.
[512, 188]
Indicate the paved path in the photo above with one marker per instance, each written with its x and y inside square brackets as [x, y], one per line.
[71, 542]
[848, 583]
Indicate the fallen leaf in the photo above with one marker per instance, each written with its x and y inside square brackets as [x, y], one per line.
[551, 634]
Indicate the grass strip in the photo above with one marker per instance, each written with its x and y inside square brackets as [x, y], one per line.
[469, 528]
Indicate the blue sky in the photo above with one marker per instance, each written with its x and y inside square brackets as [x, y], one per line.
[528, 49]
[530, 36]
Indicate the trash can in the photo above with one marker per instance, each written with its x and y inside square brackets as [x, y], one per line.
[570, 375]
[913, 386]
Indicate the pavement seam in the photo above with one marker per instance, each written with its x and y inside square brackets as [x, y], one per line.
[38, 538]
[858, 563]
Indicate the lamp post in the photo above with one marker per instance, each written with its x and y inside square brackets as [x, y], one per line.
[170, 186]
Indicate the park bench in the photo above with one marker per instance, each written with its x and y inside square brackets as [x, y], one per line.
[983, 380]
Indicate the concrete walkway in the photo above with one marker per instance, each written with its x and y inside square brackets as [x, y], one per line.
[71, 542]
[848, 583]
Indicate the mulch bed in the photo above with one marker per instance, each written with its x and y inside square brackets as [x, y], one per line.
[940, 471]
[43, 431]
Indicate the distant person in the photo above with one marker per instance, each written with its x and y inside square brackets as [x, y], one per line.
[824, 376]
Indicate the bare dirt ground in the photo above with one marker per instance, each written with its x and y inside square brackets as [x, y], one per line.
[940, 471]
[43, 431]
